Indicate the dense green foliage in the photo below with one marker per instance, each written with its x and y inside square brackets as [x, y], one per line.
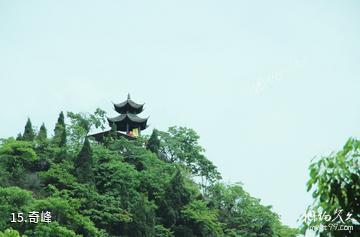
[60, 131]
[153, 143]
[145, 187]
[335, 181]
[10, 233]
[42, 135]
[83, 164]
[29, 134]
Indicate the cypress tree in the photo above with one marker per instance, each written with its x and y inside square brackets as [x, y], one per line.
[60, 130]
[42, 135]
[63, 138]
[19, 137]
[143, 223]
[29, 134]
[175, 198]
[83, 163]
[153, 142]
[113, 130]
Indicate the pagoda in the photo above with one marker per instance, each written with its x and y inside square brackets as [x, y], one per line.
[128, 121]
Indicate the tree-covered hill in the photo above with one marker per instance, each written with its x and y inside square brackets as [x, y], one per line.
[161, 185]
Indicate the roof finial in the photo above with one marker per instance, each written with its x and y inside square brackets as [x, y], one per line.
[128, 96]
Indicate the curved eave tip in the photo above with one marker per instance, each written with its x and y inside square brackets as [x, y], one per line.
[108, 119]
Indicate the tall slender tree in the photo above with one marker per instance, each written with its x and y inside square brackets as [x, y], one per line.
[175, 198]
[29, 133]
[19, 137]
[60, 130]
[113, 130]
[83, 163]
[42, 135]
[154, 142]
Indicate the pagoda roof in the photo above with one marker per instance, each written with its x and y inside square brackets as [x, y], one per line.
[127, 122]
[128, 116]
[128, 106]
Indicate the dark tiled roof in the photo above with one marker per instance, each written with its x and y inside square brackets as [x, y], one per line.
[132, 117]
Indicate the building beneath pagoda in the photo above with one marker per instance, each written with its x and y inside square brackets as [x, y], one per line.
[127, 124]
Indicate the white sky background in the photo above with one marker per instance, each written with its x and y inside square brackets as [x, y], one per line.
[268, 86]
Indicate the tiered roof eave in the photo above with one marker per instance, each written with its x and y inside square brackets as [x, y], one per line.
[128, 106]
[131, 117]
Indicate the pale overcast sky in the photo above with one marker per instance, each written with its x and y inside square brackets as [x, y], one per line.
[268, 85]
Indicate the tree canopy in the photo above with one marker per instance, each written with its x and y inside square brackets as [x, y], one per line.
[335, 185]
[143, 187]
